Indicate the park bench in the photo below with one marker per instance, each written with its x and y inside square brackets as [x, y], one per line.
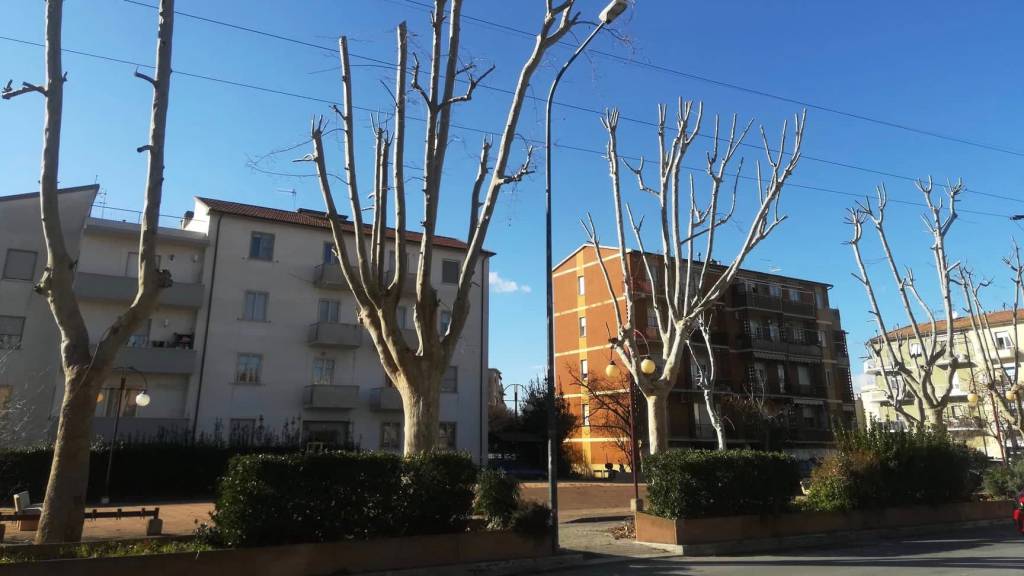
[27, 515]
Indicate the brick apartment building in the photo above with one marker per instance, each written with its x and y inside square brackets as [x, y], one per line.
[767, 328]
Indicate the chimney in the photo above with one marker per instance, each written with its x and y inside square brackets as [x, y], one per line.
[187, 218]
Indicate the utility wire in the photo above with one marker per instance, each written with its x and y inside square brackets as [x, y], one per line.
[730, 85]
[574, 107]
[453, 124]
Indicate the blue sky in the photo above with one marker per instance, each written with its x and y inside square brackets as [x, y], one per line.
[945, 67]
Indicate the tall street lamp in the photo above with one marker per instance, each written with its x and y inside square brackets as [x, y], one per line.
[612, 11]
[141, 399]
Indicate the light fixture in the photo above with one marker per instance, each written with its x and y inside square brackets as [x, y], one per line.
[972, 399]
[142, 399]
[612, 370]
[100, 397]
[613, 10]
[1011, 395]
[647, 366]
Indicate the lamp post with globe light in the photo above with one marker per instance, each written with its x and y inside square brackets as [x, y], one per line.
[647, 367]
[142, 399]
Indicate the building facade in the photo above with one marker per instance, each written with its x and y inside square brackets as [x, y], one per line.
[777, 345]
[972, 415]
[256, 340]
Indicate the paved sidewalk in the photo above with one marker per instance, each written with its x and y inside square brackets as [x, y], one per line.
[180, 518]
[595, 541]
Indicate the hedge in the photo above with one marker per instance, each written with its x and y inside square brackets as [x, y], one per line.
[702, 483]
[142, 471]
[881, 468]
[286, 499]
[1005, 481]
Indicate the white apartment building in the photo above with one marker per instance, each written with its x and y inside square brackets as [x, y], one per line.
[258, 335]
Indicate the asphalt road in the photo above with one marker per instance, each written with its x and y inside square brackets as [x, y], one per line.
[993, 551]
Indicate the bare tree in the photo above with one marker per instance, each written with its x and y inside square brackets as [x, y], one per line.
[908, 357]
[611, 410]
[685, 291]
[417, 369]
[754, 412]
[85, 368]
[991, 372]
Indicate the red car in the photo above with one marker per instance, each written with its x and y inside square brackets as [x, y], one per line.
[1018, 513]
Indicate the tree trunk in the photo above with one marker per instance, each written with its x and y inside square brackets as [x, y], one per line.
[64, 501]
[934, 417]
[657, 422]
[422, 406]
[716, 419]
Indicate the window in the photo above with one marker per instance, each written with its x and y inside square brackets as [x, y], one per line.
[828, 378]
[794, 294]
[255, 306]
[1003, 341]
[20, 265]
[329, 256]
[583, 326]
[5, 396]
[329, 311]
[323, 371]
[819, 298]
[328, 433]
[782, 377]
[652, 317]
[403, 316]
[140, 339]
[586, 414]
[446, 320]
[110, 406]
[446, 437]
[449, 271]
[810, 418]
[581, 286]
[698, 371]
[775, 290]
[261, 246]
[249, 368]
[584, 369]
[450, 380]
[11, 329]
[241, 431]
[390, 435]
[915, 348]
[803, 376]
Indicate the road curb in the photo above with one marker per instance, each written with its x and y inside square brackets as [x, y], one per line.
[503, 568]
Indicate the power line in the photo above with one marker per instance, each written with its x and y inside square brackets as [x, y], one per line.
[574, 107]
[454, 125]
[730, 85]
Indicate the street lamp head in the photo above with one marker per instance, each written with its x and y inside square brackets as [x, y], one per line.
[611, 370]
[647, 366]
[613, 10]
[142, 399]
[972, 399]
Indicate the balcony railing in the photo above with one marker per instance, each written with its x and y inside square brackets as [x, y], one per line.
[964, 424]
[803, 434]
[408, 285]
[814, 390]
[717, 338]
[158, 360]
[744, 298]
[318, 396]
[335, 335]
[385, 399]
[328, 275]
[764, 340]
[107, 288]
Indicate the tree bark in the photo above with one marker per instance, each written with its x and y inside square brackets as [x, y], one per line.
[422, 406]
[64, 501]
[657, 421]
[934, 416]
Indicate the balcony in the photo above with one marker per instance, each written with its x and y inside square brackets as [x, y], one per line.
[385, 399]
[799, 308]
[335, 335]
[872, 366]
[801, 434]
[319, 397]
[105, 288]
[408, 285]
[814, 390]
[765, 342]
[329, 277]
[964, 424]
[157, 360]
[717, 338]
[767, 301]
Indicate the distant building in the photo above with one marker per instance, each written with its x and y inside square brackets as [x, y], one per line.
[975, 424]
[258, 335]
[767, 328]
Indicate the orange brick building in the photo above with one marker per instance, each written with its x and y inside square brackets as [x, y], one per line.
[766, 328]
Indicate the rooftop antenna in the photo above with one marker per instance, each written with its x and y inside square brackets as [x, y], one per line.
[289, 191]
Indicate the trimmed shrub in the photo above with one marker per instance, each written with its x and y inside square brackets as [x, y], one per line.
[497, 497]
[533, 519]
[880, 468]
[142, 471]
[1005, 481]
[701, 483]
[267, 500]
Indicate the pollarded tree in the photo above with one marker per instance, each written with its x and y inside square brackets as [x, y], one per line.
[375, 279]
[908, 357]
[686, 289]
[85, 367]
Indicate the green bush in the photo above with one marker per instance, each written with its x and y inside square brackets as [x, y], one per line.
[267, 500]
[532, 519]
[880, 468]
[497, 497]
[142, 471]
[700, 483]
[1005, 481]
